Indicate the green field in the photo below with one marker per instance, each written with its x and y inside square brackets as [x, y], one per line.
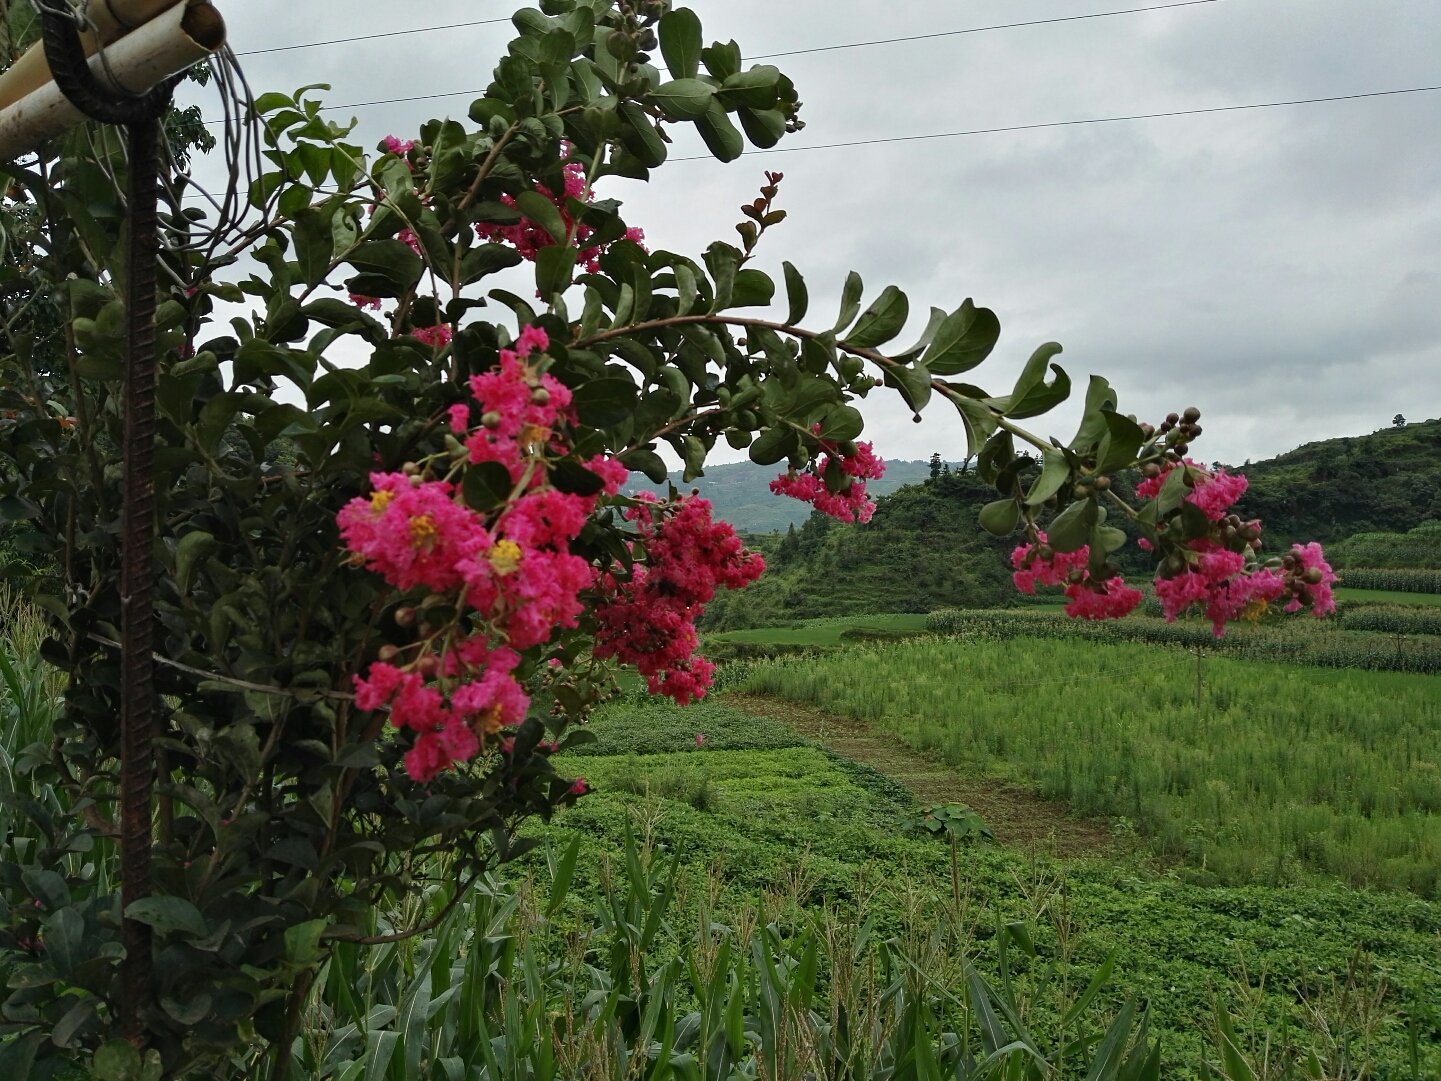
[759, 811]
[1273, 773]
[827, 632]
[1345, 594]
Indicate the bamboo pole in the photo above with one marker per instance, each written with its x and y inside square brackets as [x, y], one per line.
[179, 37]
[31, 71]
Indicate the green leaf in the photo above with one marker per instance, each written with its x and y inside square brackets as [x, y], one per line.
[389, 266]
[964, 340]
[914, 383]
[168, 914]
[486, 485]
[639, 135]
[882, 321]
[757, 87]
[850, 301]
[560, 878]
[796, 295]
[64, 935]
[485, 259]
[571, 477]
[1099, 398]
[554, 266]
[302, 941]
[721, 137]
[1000, 517]
[1054, 474]
[773, 444]
[1071, 529]
[646, 461]
[544, 213]
[190, 548]
[685, 99]
[763, 127]
[1123, 442]
[314, 245]
[753, 288]
[117, 1060]
[603, 402]
[681, 43]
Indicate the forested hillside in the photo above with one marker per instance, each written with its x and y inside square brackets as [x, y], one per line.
[921, 551]
[1388, 481]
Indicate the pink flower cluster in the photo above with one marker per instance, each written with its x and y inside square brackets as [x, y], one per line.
[395, 145]
[851, 504]
[1217, 579]
[1309, 580]
[648, 620]
[528, 238]
[1040, 564]
[514, 570]
[1214, 493]
[437, 337]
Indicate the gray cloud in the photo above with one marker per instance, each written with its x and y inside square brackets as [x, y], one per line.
[1281, 269]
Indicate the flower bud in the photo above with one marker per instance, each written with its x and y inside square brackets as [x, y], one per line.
[1191, 415]
[1103, 484]
[1150, 470]
[388, 653]
[405, 617]
[410, 469]
[1172, 420]
[491, 420]
[540, 396]
[1312, 576]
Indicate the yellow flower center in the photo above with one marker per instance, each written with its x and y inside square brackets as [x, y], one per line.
[1253, 612]
[422, 529]
[505, 557]
[380, 500]
[486, 722]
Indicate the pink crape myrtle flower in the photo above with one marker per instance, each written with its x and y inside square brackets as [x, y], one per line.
[1111, 599]
[437, 337]
[852, 504]
[648, 620]
[528, 238]
[1311, 581]
[1214, 492]
[1039, 564]
[1217, 579]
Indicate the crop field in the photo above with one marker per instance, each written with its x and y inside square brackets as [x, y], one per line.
[757, 810]
[1272, 774]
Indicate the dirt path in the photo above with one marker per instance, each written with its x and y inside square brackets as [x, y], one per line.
[1019, 819]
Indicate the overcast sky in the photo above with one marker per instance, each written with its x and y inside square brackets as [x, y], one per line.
[1278, 268]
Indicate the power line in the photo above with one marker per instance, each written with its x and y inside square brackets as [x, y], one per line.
[763, 56]
[983, 29]
[1088, 120]
[370, 37]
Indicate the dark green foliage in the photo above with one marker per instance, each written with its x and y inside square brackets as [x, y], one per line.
[826, 835]
[1416, 548]
[1327, 491]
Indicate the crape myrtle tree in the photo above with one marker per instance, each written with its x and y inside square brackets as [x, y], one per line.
[389, 590]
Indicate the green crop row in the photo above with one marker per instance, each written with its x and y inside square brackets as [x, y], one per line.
[1300, 641]
[1395, 579]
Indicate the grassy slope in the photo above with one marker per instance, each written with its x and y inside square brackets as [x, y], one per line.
[769, 812]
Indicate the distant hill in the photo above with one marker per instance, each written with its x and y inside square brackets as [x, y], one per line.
[741, 495]
[1385, 482]
[924, 549]
[921, 551]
